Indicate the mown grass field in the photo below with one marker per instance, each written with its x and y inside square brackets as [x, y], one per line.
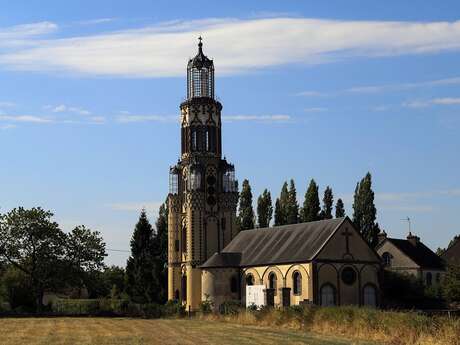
[124, 331]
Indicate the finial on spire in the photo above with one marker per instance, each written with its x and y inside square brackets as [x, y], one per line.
[200, 44]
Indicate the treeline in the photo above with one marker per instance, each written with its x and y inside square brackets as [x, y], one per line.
[39, 262]
[287, 210]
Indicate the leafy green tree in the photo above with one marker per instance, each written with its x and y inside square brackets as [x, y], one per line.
[34, 244]
[328, 201]
[311, 207]
[292, 206]
[264, 209]
[17, 289]
[451, 284]
[84, 255]
[142, 284]
[339, 209]
[365, 212]
[161, 250]
[245, 211]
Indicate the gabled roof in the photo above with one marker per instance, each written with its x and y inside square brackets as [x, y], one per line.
[419, 253]
[277, 245]
[452, 254]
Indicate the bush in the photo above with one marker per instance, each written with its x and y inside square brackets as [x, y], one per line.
[206, 306]
[173, 308]
[230, 307]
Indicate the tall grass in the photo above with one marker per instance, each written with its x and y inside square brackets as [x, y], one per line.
[388, 327]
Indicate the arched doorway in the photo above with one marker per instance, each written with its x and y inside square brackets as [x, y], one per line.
[327, 294]
[370, 296]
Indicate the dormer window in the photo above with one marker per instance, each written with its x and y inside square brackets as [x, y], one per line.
[386, 259]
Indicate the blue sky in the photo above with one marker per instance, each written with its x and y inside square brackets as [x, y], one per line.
[89, 96]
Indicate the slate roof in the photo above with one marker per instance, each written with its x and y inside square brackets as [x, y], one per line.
[277, 245]
[419, 253]
[452, 254]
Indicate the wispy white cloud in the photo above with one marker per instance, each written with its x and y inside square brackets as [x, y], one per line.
[381, 108]
[62, 108]
[256, 118]
[7, 104]
[368, 89]
[96, 21]
[25, 118]
[238, 46]
[435, 101]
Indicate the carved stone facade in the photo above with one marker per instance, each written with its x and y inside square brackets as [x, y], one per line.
[203, 190]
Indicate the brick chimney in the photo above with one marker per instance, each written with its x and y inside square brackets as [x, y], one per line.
[382, 236]
[414, 240]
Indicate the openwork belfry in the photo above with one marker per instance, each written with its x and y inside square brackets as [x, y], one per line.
[202, 187]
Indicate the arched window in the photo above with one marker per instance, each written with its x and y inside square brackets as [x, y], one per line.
[369, 296]
[233, 284]
[297, 283]
[272, 281]
[184, 239]
[429, 279]
[327, 295]
[194, 139]
[249, 279]
[386, 259]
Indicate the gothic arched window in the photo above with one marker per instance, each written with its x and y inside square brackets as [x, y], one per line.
[184, 239]
[386, 259]
[194, 139]
[249, 280]
[297, 283]
[327, 295]
[272, 281]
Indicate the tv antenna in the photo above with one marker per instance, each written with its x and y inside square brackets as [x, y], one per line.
[407, 219]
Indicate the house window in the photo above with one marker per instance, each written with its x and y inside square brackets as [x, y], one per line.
[297, 283]
[249, 280]
[386, 259]
[429, 279]
[234, 285]
[272, 281]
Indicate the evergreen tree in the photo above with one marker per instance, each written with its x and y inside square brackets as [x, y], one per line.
[339, 209]
[292, 206]
[142, 284]
[161, 250]
[279, 216]
[364, 211]
[311, 207]
[245, 212]
[264, 209]
[328, 201]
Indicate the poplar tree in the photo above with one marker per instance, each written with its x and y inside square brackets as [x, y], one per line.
[328, 201]
[339, 209]
[279, 217]
[264, 209]
[142, 284]
[311, 207]
[292, 206]
[364, 211]
[245, 211]
[281, 206]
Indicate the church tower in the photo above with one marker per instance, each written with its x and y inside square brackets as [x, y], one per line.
[203, 192]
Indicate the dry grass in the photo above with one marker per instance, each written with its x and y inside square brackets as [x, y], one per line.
[124, 331]
[395, 328]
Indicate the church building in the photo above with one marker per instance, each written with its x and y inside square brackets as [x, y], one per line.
[325, 262]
